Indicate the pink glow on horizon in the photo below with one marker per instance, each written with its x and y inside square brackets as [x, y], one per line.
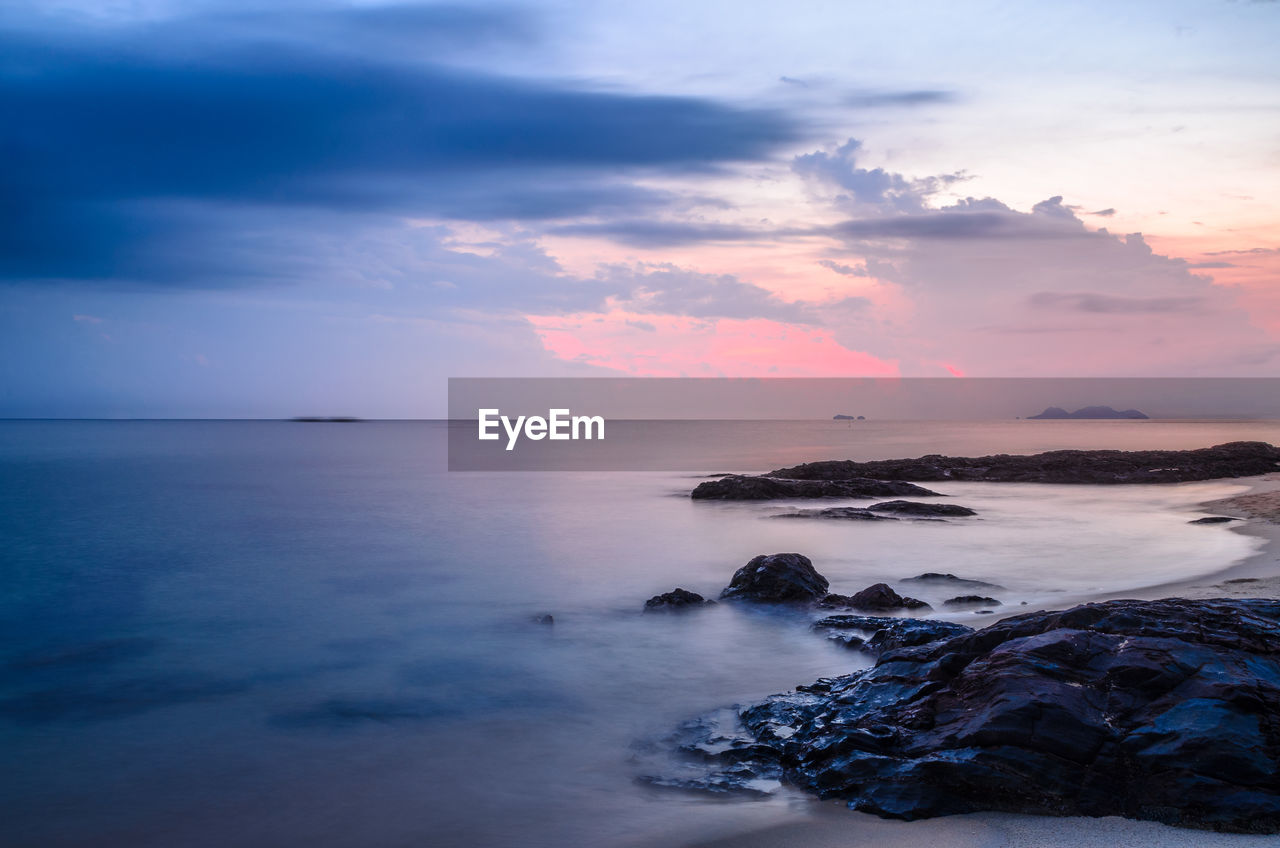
[667, 346]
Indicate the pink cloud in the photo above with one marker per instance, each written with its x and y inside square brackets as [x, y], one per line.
[669, 346]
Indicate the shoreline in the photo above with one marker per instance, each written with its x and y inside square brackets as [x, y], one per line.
[1259, 574]
[829, 824]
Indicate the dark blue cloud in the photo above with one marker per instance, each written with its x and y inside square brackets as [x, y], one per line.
[116, 124]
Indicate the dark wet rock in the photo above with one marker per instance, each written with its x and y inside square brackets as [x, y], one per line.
[1160, 710]
[970, 601]
[928, 509]
[877, 598]
[744, 766]
[1233, 459]
[886, 634]
[838, 513]
[1214, 519]
[934, 578]
[1244, 580]
[544, 618]
[676, 599]
[738, 487]
[776, 578]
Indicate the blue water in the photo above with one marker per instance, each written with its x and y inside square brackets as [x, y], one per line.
[265, 633]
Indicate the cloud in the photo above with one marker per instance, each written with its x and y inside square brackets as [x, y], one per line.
[1105, 304]
[844, 270]
[924, 97]
[665, 289]
[653, 233]
[122, 124]
[868, 187]
[1251, 251]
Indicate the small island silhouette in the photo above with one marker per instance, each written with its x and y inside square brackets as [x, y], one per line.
[848, 417]
[1088, 412]
[321, 419]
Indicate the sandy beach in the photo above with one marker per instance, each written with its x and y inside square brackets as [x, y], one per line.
[831, 825]
[1259, 575]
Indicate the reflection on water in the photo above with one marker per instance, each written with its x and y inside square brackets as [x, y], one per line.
[263, 633]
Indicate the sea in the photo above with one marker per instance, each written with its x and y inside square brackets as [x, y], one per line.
[269, 633]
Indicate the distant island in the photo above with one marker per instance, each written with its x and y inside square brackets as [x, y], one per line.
[848, 418]
[1088, 412]
[321, 419]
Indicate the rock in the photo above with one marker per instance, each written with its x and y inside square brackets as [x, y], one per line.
[1089, 412]
[886, 634]
[676, 599]
[915, 508]
[738, 487]
[846, 513]
[775, 579]
[933, 578]
[970, 601]
[1214, 519]
[545, 618]
[1160, 710]
[1233, 459]
[877, 598]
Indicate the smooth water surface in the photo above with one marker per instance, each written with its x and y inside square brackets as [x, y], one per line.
[267, 633]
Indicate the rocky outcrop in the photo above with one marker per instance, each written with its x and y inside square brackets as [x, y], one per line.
[934, 578]
[935, 510]
[837, 513]
[676, 599]
[1213, 519]
[777, 579]
[1234, 459]
[879, 634]
[1162, 710]
[738, 487]
[877, 598]
[971, 601]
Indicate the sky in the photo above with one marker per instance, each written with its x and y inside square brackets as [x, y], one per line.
[220, 209]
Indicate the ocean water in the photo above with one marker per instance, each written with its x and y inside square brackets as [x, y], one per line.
[266, 633]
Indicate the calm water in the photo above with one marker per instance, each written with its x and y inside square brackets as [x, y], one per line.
[261, 633]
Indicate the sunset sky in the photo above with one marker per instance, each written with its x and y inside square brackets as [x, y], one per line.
[238, 210]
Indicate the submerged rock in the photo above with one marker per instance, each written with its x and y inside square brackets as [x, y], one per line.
[1161, 710]
[934, 578]
[838, 513]
[970, 601]
[738, 487]
[776, 578]
[676, 599]
[886, 634]
[1233, 459]
[915, 508]
[1214, 519]
[877, 598]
